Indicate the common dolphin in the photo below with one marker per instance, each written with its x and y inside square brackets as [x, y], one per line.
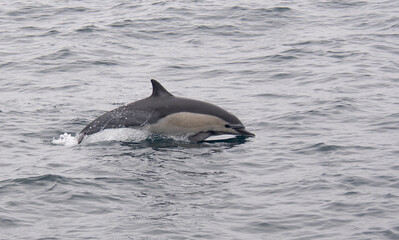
[163, 113]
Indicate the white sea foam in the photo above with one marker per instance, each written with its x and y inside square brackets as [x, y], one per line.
[66, 139]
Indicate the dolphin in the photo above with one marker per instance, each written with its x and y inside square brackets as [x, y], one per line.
[163, 113]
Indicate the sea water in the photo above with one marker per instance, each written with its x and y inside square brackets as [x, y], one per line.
[316, 81]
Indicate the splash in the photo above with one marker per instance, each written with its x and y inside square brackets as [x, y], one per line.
[118, 134]
[66, 139]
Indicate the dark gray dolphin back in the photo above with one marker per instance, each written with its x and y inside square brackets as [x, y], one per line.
[170, 105]
[162, 103]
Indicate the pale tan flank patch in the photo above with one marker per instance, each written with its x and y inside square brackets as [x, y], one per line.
[186, 122]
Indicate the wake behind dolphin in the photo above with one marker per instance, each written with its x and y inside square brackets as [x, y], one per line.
[163, 113]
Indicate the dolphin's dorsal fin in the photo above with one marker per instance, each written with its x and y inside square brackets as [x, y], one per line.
[158, 90]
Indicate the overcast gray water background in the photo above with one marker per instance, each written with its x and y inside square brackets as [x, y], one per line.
[316, 81]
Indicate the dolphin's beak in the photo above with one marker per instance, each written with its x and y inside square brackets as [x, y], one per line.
[244, 132]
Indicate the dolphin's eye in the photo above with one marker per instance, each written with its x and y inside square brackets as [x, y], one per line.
[227, 126]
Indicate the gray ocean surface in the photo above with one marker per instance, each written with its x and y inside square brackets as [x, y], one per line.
[316, 81]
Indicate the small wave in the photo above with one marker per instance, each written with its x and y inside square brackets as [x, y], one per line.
[77, 65]
[88, 29]
[329, 148]
[59, 54]
[121, 24]
[40, 179]
[72, 10]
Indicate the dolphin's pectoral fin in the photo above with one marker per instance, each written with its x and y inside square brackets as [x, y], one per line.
[201, 136]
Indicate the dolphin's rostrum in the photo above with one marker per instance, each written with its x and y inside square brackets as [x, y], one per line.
[163, 113]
